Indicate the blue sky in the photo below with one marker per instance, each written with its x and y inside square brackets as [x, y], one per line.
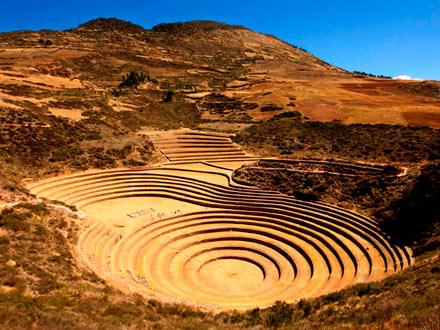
[381, 37]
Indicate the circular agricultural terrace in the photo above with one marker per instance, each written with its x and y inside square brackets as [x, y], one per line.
[186, 232]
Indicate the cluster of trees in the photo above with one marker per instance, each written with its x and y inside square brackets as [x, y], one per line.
[371, 75]
[46, 43]
[133, 79]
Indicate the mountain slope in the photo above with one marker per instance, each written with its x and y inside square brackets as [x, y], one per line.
[197, 58]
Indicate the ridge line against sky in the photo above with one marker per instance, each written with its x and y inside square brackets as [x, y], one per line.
[389, 38]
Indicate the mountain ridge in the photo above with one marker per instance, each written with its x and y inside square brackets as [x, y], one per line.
[211, 57]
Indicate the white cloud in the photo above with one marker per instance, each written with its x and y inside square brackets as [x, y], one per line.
[406, 77]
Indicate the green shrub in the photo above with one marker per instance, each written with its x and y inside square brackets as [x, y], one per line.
[40, 230]
[363, 289]
[306, 195]
[133, 79]
[39, 209]
[168, 96]
[270, 107]
[253, 318]
[279, 314]
[435, 269]
[4, 240]
[14, 221]
[287, 114]
[116, 92]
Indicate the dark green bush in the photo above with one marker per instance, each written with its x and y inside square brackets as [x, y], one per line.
[4, 240]
[287, 114]
[39, 209]
[168, 96]
[116, 92]
[306, 195]
[279, 314]
[270, 107]
[13, 220]
[133, 79]
[253, 318]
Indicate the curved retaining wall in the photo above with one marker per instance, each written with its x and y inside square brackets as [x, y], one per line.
[244, 247]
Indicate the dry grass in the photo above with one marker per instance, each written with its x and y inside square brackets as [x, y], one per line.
[293, 137]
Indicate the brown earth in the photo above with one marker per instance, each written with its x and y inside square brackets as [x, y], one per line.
[196, 59]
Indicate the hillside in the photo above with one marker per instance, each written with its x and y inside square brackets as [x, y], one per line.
[258, 75]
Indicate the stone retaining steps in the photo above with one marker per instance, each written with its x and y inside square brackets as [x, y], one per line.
[295, 249]
[234, 246]
[178, 146]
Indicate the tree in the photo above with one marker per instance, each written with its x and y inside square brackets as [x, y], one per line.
[133, 79]
[168, 96]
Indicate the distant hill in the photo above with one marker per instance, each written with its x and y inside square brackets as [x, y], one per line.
[110, 25]
[194, 59]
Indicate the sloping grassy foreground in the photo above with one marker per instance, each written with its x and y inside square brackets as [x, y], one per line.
[42, 286]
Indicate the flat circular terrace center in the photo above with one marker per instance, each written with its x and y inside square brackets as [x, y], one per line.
[230, 275]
